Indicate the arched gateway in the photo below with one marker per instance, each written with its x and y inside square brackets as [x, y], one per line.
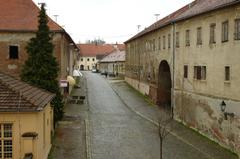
[164, 86]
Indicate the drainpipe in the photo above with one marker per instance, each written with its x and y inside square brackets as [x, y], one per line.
[139, 71]
[173, 54]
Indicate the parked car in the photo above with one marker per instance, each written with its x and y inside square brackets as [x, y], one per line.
[94, 70]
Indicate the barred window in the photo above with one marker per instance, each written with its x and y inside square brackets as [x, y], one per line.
[187, 37]
[237, 29]
[212, 33]
[169, 40]
[199, 36]
[200, 72]
[177, 39]
[6, 144]
[225, 31]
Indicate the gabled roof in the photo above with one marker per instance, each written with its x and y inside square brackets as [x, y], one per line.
[117, 56]
[192, 9]
[18, 96]
[94, 50]
[21, 15]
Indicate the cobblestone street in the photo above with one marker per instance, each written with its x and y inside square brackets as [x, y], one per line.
[117, 132]
[115, 122]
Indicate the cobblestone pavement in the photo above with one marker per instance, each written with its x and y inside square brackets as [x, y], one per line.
[143, 108]
[116, 132]
[69, 142]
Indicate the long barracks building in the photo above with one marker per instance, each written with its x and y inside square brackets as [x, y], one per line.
[188, 63]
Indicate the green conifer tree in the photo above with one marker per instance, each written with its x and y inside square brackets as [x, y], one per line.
[41, 67]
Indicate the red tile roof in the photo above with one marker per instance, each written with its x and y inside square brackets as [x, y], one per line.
[118, 56]
[121, 47]
[16, 95]
[195, 8]
[21, 15]
[94, 50]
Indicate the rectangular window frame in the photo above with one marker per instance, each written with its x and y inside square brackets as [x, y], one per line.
[200, 73]
[227, 73]
[212, 38]
[237, 29]
[159, 43]
[225, 30]
[164, 42]
[185, 71]
[6, 140]
[199, 36]
[169, 41]
[177, 40]
[11, 55]
[187, 38]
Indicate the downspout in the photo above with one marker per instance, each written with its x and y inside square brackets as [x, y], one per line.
[139, 68]
[173, 69]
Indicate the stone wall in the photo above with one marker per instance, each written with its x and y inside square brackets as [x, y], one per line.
[196, 102]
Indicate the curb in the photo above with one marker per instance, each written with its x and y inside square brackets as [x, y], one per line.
[88, 141]
[87, 125]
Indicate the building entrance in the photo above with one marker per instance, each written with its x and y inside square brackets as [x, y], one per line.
[164, 86]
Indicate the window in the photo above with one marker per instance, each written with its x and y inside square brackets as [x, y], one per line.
[200, 72]
[88, 59]
[187, 37]
[13, 52]
[159, 43]
[212, 34]
[199, 36]
[153, 45]
[164, 42]
[81, 59]
[185, 71]
[227, 73]
[237, 29]
[6, 141]
[177, 39]
[93, 59]
[169, 40]
[225, 31]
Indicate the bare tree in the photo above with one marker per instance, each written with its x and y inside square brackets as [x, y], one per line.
[164, 125]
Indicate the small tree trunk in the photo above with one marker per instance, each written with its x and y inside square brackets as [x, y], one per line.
[161, 148]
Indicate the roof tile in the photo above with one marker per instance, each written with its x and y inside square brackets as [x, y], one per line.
[21, 15]
[14, 98]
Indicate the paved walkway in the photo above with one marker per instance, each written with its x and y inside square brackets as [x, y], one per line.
[70, 136]
[136, 102]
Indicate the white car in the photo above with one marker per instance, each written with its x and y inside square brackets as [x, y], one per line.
[77, 73]
[94, 70]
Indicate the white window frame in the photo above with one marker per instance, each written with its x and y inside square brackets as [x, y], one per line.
[3, 139]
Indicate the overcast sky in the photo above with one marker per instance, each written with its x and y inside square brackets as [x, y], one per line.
[111, 20]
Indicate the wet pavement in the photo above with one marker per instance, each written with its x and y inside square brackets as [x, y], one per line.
[70, 136]
[116, 122]
[118, 132]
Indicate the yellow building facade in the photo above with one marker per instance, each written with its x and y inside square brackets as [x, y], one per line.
[188, 63]
[26, 120]
[28, 133]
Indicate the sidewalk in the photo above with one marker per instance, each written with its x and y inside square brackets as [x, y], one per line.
[136, 102]
[70, 134]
